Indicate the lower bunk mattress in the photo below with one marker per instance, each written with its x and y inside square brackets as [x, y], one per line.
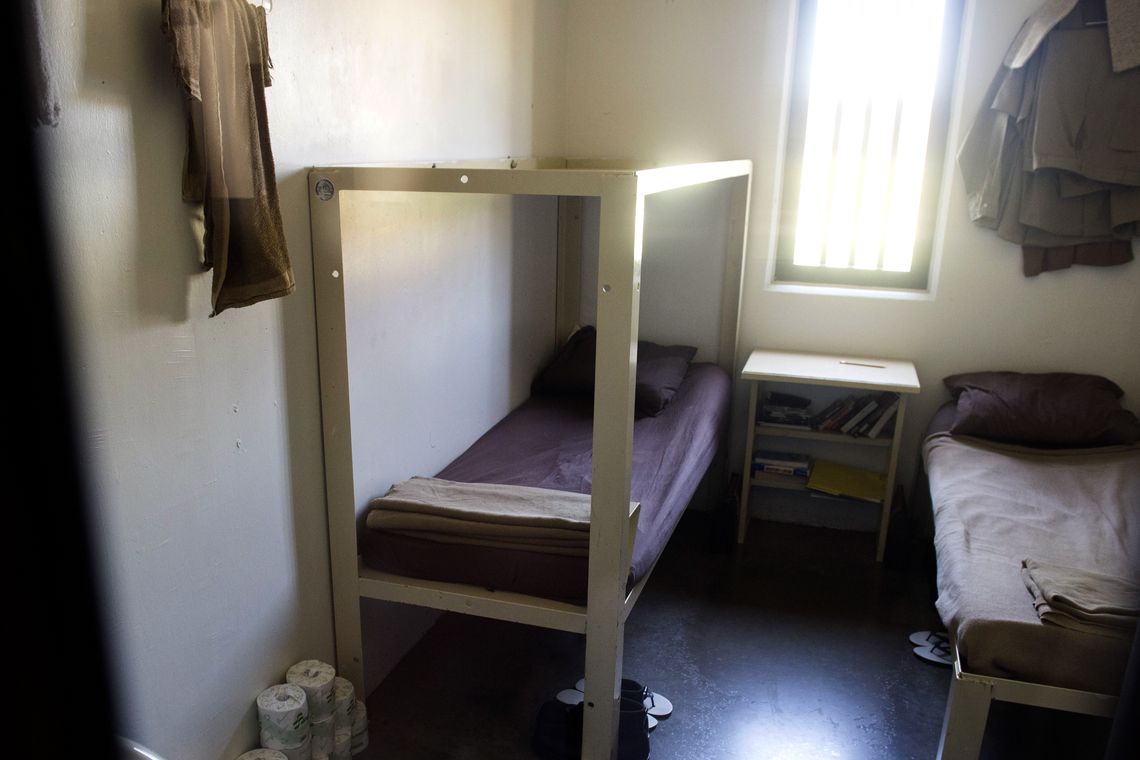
[547, 443]
[996, 505]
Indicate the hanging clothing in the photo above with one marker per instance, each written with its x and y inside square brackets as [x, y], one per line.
[1122, 17]
[41, 77]
[221, 56]
[1053, 159]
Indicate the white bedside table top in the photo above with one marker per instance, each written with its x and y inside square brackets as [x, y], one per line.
[835, 370]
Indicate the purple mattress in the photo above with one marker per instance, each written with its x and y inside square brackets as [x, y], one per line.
[546, 443]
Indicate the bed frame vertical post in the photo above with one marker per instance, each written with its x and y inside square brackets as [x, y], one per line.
[332, 349]
[892, 469]
[618, 298]
[568, 295]
[731, 288]
[967, 710]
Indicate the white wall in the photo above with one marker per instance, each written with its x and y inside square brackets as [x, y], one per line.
[450, 314]
[682, 270]
[693, 81]
[203, 435]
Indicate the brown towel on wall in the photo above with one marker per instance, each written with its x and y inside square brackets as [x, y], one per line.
[1037, 259]
[221, 55]
[41, 79]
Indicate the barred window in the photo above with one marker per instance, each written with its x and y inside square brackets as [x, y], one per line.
[866, 141]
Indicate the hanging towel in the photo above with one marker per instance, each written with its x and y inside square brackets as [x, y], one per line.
[1036, 259]
[221, 56]
[45, 105]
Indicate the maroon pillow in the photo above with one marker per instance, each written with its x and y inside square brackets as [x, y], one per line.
[1054, 409]
[660, 370]
[571, 371]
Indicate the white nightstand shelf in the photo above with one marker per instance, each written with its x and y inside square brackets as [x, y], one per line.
[856, 373]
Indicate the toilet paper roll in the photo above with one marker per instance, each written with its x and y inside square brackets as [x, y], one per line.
[324, 736]
[359, 719]
[316, 678]
[303, 752]
[359, 743]
[345, 697]
[283, 716]
[269, 741]
[342, 745]
[263, 754]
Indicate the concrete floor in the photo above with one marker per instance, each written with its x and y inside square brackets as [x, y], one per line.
[793, 646]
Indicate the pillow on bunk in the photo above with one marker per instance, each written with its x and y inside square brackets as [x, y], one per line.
[660, 370]
[1055, 409]
[571, 371]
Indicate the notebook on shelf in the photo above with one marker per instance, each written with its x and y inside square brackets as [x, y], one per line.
[838, 479]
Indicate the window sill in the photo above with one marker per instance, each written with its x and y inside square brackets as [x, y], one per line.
[854, 291]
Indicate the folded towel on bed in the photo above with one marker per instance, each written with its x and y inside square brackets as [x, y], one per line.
[486, 514]
[1082, 600]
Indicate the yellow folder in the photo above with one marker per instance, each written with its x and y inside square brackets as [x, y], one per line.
[842, 480]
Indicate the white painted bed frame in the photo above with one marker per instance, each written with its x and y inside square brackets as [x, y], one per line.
[968, 707]
[622, 192]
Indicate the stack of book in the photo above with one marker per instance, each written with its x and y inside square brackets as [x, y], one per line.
[864, 416]
[782, 465]
[786, 417]
[786, 410]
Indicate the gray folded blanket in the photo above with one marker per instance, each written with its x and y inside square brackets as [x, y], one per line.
[1082, 600]
[486, 514]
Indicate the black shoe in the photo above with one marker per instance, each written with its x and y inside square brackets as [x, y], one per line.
[633, 730]
[558, 731]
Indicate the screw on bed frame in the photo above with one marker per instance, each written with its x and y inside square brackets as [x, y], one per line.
[325, 189]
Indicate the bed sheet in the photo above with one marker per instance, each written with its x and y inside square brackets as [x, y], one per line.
[546, 443]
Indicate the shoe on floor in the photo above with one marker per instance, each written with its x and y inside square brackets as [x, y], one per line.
[658, 707]
[558, 731]
[929, 638]
[939, 654]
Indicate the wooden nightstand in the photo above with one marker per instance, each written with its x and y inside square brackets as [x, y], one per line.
[859, 374]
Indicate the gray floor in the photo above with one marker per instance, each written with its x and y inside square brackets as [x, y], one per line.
[792, 647]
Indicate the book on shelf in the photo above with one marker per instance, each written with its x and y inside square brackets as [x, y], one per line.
[786, 417]
[861, 429]
[776, 398]
[875, 403]
[885, 406]
[839, 416]
[781, 463]
[888, 414]
[866, 415]
[866, 405]
[819, 417]
[779, 469]
[837, 479]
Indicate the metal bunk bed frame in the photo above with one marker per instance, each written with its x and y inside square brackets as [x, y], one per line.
[968, 706]
[622, 192]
